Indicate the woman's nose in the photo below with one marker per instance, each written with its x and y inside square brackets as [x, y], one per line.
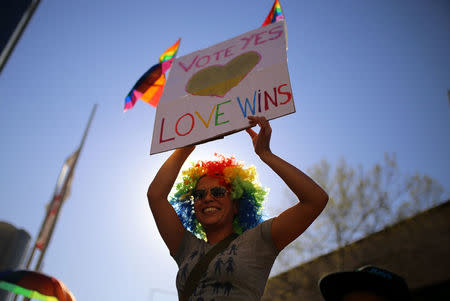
[208, 196]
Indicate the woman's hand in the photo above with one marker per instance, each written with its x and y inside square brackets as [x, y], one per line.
[261, 140]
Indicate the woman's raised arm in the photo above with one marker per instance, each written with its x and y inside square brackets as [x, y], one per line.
[167, 221]
[312, 198]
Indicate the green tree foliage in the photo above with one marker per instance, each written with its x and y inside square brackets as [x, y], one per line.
[361, 202]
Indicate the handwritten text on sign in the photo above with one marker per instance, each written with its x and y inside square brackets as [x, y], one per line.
[211, 92]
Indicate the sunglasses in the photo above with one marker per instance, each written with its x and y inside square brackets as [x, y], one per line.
[217, 192]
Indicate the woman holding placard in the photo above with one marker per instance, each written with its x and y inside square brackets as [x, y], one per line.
[213, 224]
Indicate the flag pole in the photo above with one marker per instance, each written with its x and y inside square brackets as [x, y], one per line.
[64, 189]
[59, 197]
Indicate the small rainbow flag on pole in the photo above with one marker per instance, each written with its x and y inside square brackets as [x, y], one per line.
[150, 86]
[276, 14]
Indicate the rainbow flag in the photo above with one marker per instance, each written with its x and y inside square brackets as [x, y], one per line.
[276, 14]
[150, 86]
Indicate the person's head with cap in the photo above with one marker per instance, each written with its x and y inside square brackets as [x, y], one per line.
[367, 283]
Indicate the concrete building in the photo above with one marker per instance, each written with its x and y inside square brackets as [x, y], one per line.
[417, 248]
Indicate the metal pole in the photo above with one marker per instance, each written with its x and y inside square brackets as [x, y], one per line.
[64, 189]
[17, 33]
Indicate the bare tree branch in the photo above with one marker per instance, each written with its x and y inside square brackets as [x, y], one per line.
[361, 202]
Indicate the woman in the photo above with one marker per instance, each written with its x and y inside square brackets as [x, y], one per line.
[241, 270]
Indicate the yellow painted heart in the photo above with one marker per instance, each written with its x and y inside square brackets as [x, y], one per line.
[218, 80]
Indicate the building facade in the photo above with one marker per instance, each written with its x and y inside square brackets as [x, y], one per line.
[417, 248]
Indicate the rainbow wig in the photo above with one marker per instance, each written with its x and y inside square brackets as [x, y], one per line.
[241, 183]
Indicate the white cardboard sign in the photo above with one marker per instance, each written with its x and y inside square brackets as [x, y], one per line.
[210, 92]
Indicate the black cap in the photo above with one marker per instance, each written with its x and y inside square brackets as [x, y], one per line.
[368, 278]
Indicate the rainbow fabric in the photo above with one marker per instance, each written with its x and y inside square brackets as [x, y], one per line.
[276, 14]
[150, 86]
[25, 292]
[35, 285]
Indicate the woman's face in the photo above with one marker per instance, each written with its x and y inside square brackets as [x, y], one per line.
[212, 204]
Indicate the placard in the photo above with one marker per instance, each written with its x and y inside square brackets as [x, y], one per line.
[209, 93]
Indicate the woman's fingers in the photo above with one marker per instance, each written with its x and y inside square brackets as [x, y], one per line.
[252, 133]
[254, 120]
[261, 140]
[261, 121]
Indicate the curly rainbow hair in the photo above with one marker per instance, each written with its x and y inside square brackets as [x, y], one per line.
[240, 181]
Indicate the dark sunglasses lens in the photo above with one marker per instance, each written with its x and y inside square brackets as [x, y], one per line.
[218, 192]
[199, 194]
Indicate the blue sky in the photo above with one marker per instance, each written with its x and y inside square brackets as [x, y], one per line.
[368, 77]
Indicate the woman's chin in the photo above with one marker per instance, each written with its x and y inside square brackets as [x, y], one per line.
[209, 221]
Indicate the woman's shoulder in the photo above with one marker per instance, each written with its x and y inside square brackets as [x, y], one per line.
[259, 239]
[262, 230]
